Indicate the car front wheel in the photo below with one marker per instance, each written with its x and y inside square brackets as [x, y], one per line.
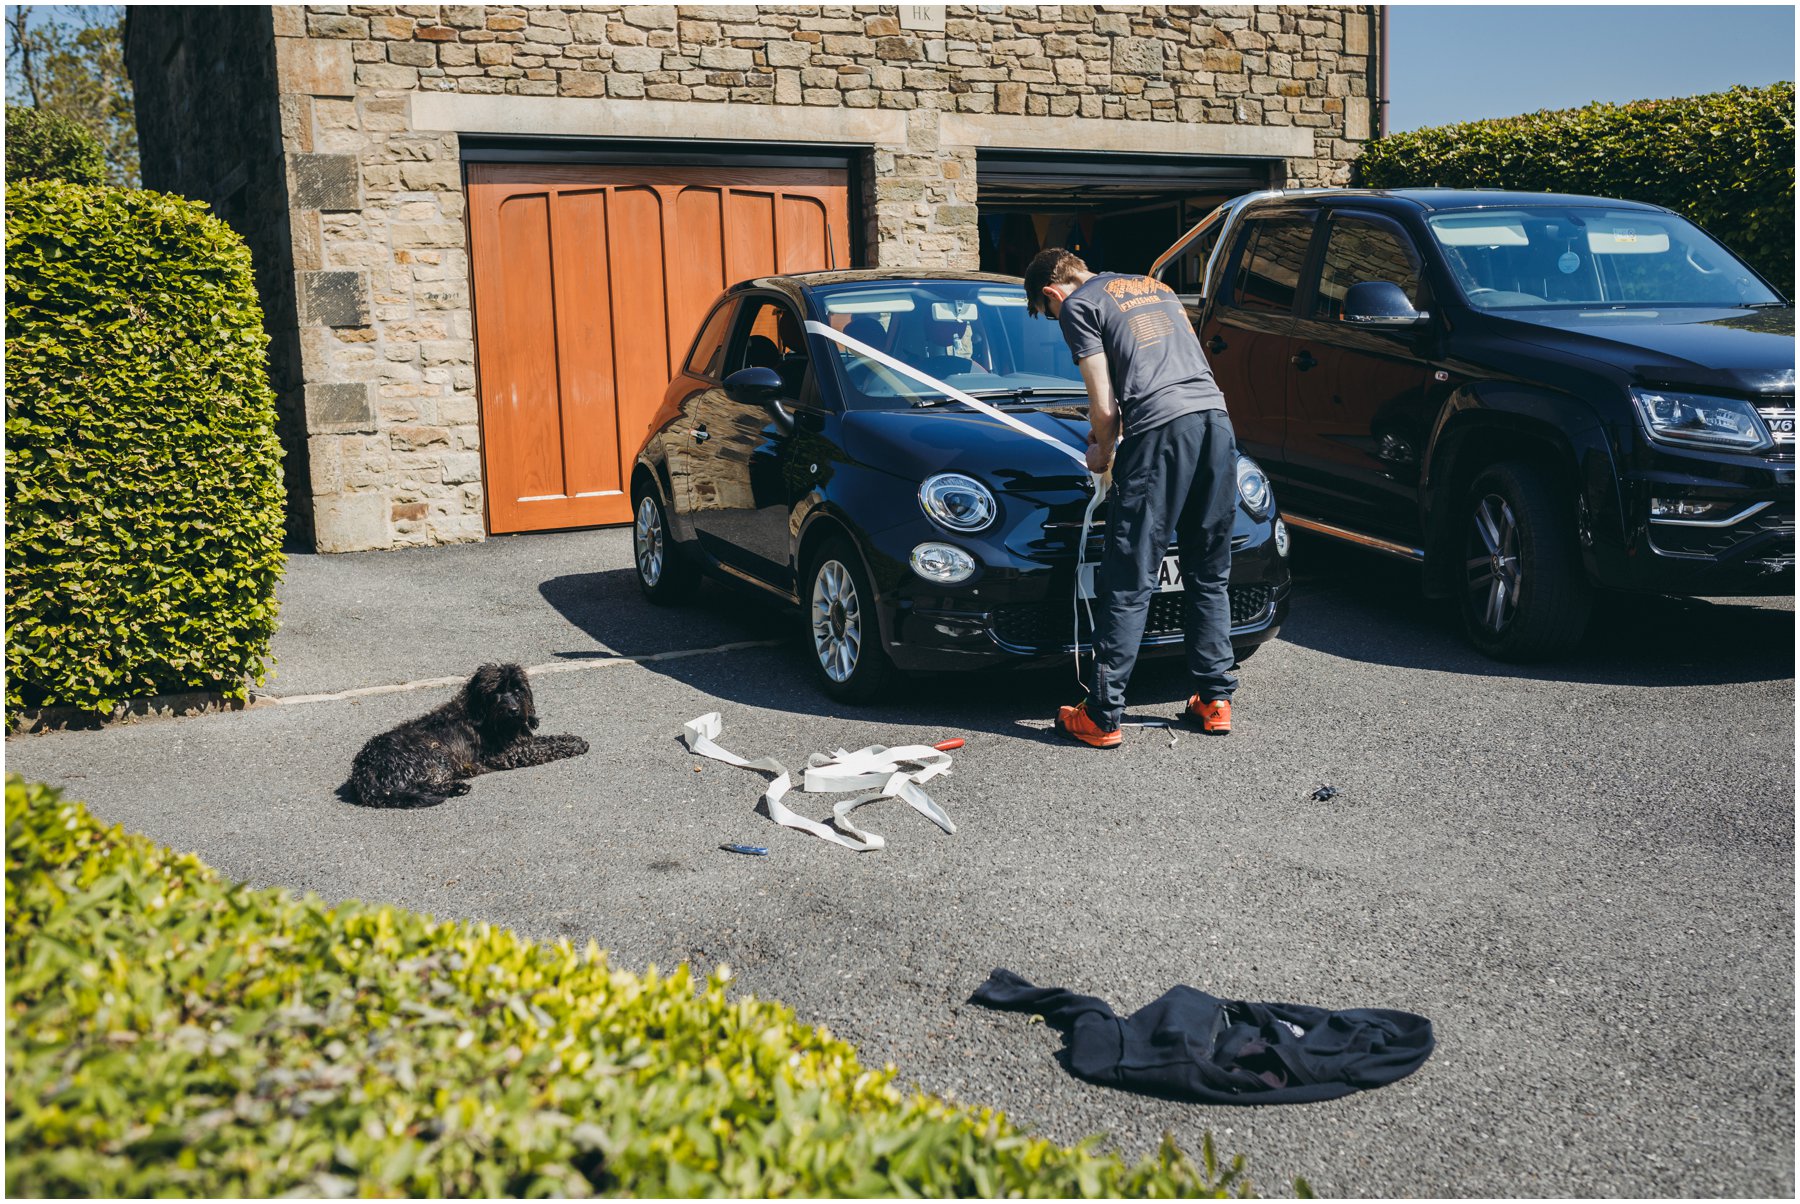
[843, 632]
[1525, 596]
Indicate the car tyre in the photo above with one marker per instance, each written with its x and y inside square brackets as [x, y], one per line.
[666, 577]
[843, 633]
[1525, 595]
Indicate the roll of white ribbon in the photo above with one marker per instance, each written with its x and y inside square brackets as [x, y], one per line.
[898, 772]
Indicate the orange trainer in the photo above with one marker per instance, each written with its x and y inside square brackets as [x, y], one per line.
[1213, 718]
[1074, 721]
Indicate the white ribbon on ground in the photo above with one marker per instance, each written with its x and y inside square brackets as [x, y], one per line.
[1102, 481]
[897, 772]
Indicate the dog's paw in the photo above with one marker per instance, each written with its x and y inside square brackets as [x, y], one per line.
[577, 746]
[456, 789]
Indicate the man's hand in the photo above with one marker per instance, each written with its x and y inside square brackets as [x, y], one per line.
[1099, 459]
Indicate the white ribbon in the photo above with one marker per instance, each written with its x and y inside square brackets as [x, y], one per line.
[897, 772]
[1102, 481]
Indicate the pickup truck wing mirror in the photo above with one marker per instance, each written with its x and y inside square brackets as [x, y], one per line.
[1380, 303]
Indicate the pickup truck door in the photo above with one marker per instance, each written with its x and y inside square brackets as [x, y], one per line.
[1248, 328]
[1356, 424]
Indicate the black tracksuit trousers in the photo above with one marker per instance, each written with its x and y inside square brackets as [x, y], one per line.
[1178, 479]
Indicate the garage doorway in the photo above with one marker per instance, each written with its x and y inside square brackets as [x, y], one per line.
[590, 281]
[1118, 212]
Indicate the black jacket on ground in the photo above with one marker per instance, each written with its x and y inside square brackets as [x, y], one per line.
[1194, 1046]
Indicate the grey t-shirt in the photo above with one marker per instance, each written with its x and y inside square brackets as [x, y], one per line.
[1152, 353]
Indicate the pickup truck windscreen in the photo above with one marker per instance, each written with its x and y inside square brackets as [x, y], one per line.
[1557, 256]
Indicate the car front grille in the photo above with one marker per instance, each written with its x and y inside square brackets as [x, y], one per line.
[1046, 626]
[1718, 541]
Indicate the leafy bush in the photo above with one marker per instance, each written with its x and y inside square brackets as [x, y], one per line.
[42, 145]
[143, 487]
[1725, 161]
[170, 1033]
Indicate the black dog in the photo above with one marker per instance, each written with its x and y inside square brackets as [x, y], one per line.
[484, 728]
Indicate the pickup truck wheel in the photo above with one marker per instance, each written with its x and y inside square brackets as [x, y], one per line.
[843, 632]
[1525, 596]
[664, 575]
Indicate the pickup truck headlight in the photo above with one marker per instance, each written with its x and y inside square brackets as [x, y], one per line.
[1254, 488]
[957, 502]
[1696, 420]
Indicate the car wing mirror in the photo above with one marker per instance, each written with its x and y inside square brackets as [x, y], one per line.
[760, 387]
[1380, 303]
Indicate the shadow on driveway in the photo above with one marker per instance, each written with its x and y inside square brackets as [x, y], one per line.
[1364, 607]
[1347, 605]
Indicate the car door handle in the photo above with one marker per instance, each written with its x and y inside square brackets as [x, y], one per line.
[701, 434]
[1303, 361]
[1216, 344]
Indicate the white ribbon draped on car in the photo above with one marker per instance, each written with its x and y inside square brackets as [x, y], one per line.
[1101, 481]
[895, 772]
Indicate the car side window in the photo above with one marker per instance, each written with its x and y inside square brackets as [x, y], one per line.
[709, 348]
[1359, 251]
[1269, 267]
[770, 336]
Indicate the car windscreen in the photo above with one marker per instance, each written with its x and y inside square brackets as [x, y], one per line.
[1573, 256]
[971, 334]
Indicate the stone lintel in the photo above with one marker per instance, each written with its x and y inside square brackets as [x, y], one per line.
[1124, 137]
[673, 120]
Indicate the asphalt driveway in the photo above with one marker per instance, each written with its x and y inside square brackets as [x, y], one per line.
[1582, 874]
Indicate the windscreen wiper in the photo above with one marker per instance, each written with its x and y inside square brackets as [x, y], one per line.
[1028, 392]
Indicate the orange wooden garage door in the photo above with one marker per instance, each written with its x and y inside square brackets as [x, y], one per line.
[590, 282]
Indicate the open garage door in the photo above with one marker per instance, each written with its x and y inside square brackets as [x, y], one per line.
[590, 280]
[1118, 212]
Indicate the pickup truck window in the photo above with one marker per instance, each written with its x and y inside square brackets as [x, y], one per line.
[1358, 252]
[1186, 273]
[1269, 267]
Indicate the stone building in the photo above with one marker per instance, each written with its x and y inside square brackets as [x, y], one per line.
[482, 233]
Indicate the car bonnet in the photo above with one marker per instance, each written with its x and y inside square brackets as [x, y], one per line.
[917, 443]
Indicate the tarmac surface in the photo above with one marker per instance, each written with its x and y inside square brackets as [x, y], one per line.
[1582, 873]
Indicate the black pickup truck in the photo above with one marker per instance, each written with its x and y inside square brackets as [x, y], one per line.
[1533, 395]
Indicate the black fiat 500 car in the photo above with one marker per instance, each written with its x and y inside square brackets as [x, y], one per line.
[913, 531]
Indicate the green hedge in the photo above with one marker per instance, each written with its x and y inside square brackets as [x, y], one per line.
[171, 1033]
[143, 480]
[42, 145]
[1725, 161]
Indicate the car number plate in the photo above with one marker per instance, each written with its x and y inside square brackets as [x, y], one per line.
[1168, 577]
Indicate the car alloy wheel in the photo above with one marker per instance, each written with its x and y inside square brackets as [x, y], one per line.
[842, 624]
[1494, 570]
[647, 542]
[837, 621]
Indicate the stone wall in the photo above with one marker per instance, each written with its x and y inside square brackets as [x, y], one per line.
[215, 135]
[372, 99]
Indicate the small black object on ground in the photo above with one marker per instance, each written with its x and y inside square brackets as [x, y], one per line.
[1325, 793]
[749, 850]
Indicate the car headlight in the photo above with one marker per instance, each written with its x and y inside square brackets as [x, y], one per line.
[1696, 420]
[944, 563]
[1254, 488]
[958, 502]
